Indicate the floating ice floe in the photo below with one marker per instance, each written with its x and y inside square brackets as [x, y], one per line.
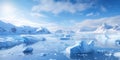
[28, 50]
[66, 37]
[8, 44]
[29, 40]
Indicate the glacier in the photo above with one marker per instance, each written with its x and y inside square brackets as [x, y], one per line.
[9, 29]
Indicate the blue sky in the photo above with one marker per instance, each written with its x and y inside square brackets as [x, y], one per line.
[63, 12]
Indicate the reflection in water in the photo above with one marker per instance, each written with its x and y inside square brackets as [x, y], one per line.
[93, 56]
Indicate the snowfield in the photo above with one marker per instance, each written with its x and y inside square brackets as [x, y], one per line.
[51, 47]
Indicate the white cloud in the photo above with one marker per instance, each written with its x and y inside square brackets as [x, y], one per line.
[90, 14]
[38, 15]
[103, 9]
[18, 21]
[58, 7]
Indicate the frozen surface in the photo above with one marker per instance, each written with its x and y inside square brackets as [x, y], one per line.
[47, 48]
[51, 47]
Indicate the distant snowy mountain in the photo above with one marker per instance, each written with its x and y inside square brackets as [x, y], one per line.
[7, 28]
[105, 28]
[116, 27]
[42, 30]
[65, 31]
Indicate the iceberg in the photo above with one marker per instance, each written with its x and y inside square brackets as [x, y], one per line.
[29, 40]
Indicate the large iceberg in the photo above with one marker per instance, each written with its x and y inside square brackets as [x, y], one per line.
[87, 50]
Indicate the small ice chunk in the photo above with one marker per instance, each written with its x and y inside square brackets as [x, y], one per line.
[43, 54]
[28, 50]
[52, 59]
[42, 39]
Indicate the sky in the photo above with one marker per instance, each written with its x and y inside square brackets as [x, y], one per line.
[54, 14]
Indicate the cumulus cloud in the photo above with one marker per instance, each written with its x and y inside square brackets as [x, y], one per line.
[57, 7]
